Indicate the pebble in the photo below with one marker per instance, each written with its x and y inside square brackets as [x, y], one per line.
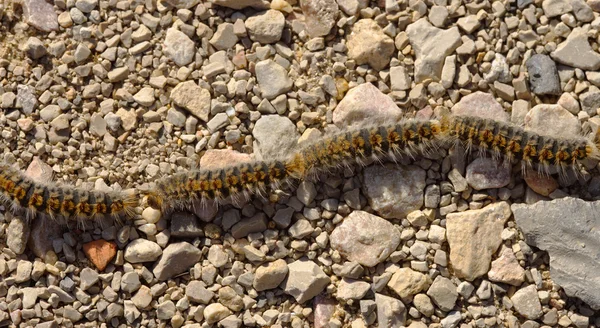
[17, 234]
[362, 104]
[100, 252]
[527, 303]
[423, 304]
[215, 312]
[193, 98]
[540, 183]
[482, 105]
[443, 293]
[23, 273]
[88, 278]
[40, 14]
[197, 292]
[394, 191]
[350, 289]
[266, 26]
[229, 298]
[130, 282]
[320, 16]
[256, 223]
[431, 45]
[487, 173]
[554, 8]
[143, 297]
[506, 269]
[270, 275]
[365, 238]
[185, 224]
[144, 97]
[305, 280]
[224, 37]
[142, 250]
[367, 44]
[272, 78]
[473, 237]
[391, 312]
[270, 147]
[552, 120]
[176, 258]
[406, 282]
[576, 51]
[178, 47]
[543, 75]
[324, 307]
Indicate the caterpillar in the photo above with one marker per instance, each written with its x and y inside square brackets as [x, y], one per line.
[407, 137]
[505, 140]
[22, 193]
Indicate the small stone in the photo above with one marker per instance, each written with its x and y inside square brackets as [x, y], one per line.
[217, 256]
[224, 38]
[399, 78]
[270, 275]
[23, 273]
[145, 97]
[319, 15]
[185, 224]
[196, 292]
[229, 298]
[406, 282]
[40, 14]
[443, 293]
[554, 8]
[266, 26]
[540, 183]
[17, 234]
[469, 23]
[482, 105]
[576, 50]
[506, 269]
[130, 282]
[432, 45]
[487, 173]
[272, 79]
[176, 258]
[543, 75]
[306, 192]
[423, 304]
[142, 250]
[367, 44]
[473, 237]
[270, 125]
[350, 289]
[552, 120]
[100, 252]
[305, 280]
[362, 103]
[365, 238]
[35, 48]
[143, 297]
[193, 98]
[179, 47]
[215, 312]
[527, 303]
[451, 320]
[391, 312]
[88, 278]
[257, 223]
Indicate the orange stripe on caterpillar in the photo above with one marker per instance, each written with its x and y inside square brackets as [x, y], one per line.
[71, 204]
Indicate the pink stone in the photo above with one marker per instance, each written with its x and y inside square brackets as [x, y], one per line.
[541, 184]
[506, 269]
[324, 308]
[482, 105]
[216, 158]
[365, 104]
[41, 15]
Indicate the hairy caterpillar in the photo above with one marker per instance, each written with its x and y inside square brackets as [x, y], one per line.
[342, 149]
[20, 192]
[504, 140]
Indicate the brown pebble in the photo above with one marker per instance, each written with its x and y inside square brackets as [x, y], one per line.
[541, 184]
[100, 252]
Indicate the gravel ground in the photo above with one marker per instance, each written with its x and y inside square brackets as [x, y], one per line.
[115, 94]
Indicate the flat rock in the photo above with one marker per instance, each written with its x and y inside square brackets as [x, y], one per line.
[256, 223]
[443, 293]
[367, 44]
[394, 190]
[17, 234]
[185, 224]
[543, 75]
[216, 158]
[553, 8]
[487, 173]
[176, 258]
[183, 4]
[142, 250]
[407, 282]
[391, 312]
[527, 302]
[506, 269]
[274, 125]
[552, 120]
[365, 103]
[40, 14]
[569, 230]
[576, 51]
[482, 105]
[324, 308]
[540, 183]
[100, 252]
[319, 15]
[272, 79]
[197, 292]
[351, 289]
[270, 275]
[179, 47]
[305, 280]
[266, 26]
[432, 45]
[193, 98]
[365, 238]
[473, 237]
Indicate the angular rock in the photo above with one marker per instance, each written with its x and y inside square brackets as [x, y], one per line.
[566, 220]
[506, 269]
[365, 238]
[365, 103]
[142, 250]
[257, 223]
[305, 280]
[17, 234]
[215, 312]
[270, 275]
[552, 120]
[272, 79]
[473, 237]
[543, 75]
[350, 289]
[527, 302]
[367, 44]
[394, 191]
[176, 258]
[576, 51]
[179, 47]
[406, 282]
[482, 105]
[100, 252]
[432, 45]
[268, 126]
[443, 293]
[324, 309]
[487, 173]
[185, 224]
[266, 26]
[239, 4]
[196, 292]
[40, 14]
[553, 8]
[319, 15]
[193, 98]
[391, 312]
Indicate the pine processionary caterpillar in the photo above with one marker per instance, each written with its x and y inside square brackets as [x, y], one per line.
[20, 192]
[504, 140]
